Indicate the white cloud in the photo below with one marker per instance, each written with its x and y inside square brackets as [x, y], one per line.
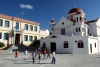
[26, 6]
[22, 13]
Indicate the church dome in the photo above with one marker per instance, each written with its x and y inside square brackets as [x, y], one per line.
[76, 10]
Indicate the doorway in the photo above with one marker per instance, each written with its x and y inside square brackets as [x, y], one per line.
[17, 39]
[53, 46]
[91, 48]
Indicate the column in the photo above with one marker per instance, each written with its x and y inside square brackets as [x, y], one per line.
[22, 38]
[86, 30]
[14, 38]
[71, 29]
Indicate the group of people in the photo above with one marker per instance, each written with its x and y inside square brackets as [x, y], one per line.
[45, 53]
[38, 53]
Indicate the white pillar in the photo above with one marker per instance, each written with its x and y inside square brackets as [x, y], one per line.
[71, 29]
[23, 37]
[86, 30]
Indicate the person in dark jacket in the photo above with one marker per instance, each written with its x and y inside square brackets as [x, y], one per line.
[48, 54]
[33, 56]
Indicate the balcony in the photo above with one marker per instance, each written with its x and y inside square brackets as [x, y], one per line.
[18, 30]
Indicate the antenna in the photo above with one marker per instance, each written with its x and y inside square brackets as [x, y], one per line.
[53, 18]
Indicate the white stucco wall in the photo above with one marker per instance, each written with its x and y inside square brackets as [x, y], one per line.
[93, 28]
[59, 25]
[92, 41]
[59, 43]
[77, 50]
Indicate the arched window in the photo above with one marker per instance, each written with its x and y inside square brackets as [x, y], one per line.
[65, 44]
[80, 44]
[44, 44]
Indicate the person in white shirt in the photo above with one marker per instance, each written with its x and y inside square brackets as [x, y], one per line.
[53, 57]
[25, 54]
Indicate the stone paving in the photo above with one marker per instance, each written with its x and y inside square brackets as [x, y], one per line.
[63, 60]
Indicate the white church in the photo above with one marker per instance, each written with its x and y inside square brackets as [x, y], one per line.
[73, 35]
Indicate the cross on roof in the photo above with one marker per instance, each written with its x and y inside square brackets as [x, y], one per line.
[75, 6]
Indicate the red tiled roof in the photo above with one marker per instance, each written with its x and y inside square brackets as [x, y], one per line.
[18, 19]
[76, 10]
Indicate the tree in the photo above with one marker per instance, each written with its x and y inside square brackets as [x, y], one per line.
[35, 44]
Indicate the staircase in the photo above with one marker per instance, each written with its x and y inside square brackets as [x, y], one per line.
[14, 47]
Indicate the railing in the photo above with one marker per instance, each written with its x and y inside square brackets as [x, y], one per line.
[18, 30]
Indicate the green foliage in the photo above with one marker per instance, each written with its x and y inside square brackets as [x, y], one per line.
[35, 44]
[1, 44]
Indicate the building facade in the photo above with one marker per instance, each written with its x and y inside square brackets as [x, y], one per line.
[74, 34]
[15, 30]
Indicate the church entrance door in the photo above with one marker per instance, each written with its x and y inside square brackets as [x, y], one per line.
[53, 46]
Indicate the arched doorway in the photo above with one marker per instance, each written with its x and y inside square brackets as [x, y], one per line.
[44, 45]
[53, 46]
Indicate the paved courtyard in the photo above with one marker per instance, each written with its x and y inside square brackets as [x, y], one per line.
[63, 60]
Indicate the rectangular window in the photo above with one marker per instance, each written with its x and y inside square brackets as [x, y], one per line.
[79, 29]
[80, 19]
[77, 19]
[0, 35]
[17, 26]
[25, 37]
[7, 23]
[31, 28]
[31, 38]
[83, 29]
[6, 36]
[1, 22]
[35, 37]
[95, 45]
[88, 31]
[62, 31]
[76, 29]
[26, 27]
[35, 28]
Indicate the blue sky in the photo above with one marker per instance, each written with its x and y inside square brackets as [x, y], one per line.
[43, 11]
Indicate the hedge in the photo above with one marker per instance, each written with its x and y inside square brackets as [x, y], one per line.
[1, 44]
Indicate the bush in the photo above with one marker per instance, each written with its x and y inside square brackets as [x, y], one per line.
[35, 44]
[1, 44]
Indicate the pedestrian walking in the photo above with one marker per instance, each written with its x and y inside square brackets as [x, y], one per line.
[10, 50]
[33, 56]
[48, 54]
[44, 53]
[53, 57]
[26, 54]
[39, 55]
[16, 54]
[36, 52]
